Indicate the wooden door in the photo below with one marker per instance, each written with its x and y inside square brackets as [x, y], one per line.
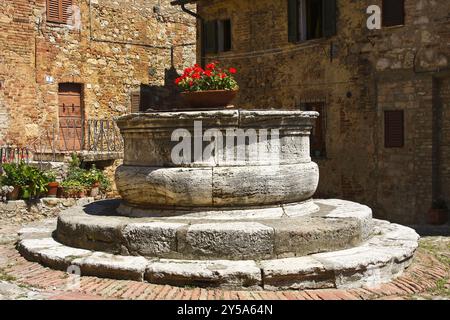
[70, 117]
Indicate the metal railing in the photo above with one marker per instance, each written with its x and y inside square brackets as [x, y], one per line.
[103, 136]
[92, 136]
[12, 154]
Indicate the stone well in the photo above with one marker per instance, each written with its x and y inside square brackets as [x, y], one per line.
[261, 161]
[197, 210]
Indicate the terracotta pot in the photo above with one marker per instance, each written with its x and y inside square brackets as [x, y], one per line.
[94, 191]
[210, 99]
[437, 216]
[81, 194]
[14, 195]
[52, 189]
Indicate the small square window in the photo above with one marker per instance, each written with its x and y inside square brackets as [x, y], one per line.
[217, 36]
[393, 13]
[311, 19]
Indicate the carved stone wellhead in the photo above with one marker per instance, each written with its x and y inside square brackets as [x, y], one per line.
[182, 162]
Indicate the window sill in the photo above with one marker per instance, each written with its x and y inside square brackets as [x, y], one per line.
[310, 42]
[399, 26]
[61, 25]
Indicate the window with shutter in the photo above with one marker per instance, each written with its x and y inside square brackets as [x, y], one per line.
[394, 129]
[59, 11]
[311, 19]
[393, 13]
[210, 36]
[329, 18]
[293, 20]
[217, 36]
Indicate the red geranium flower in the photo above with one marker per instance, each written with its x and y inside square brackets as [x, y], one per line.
[211, 66]
[232, 70]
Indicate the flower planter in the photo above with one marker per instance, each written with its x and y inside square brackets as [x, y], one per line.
[14, 195]
[53, 189]
[437, 216]
[95, 190]
[209, 99]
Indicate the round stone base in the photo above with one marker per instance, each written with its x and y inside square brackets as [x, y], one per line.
[378, 260]
[335, 225]
[291, 210]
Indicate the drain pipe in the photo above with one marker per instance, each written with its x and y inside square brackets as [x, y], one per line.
[199, 19]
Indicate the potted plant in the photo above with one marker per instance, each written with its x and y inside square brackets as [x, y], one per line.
[92, 179]
[52, 185]
[35, 182]
[4, 191]
[73, 189]
[209, 88]
[12, 176]
[438, 213]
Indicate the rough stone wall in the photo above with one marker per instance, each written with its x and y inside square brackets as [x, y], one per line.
[358, 74]
[443, 138]
[120, 45]
[21, 211]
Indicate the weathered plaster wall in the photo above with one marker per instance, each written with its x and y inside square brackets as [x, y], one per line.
[364, 74]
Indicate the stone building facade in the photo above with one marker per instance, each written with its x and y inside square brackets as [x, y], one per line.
[383, 93]
[101, 52]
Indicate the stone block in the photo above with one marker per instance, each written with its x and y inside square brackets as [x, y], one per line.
[296, 273]
[150, 239]
[230, 240]
[215, 273]
[112, 266]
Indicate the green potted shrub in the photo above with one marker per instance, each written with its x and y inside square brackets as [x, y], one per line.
[92, 180]
[52, 185]
[28, 182]
[35, 182]
[73, 189]
[12, 176]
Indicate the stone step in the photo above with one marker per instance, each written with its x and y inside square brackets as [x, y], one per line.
[336, 225]
[379, 260]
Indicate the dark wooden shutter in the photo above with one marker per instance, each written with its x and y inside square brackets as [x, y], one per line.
[227, 35]
[329, 18]
[293, 20]
[54, 10]
[66, 10]
[58, 10]
[393, 12]
[210, 36]
[394, 129]
[135, 101]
